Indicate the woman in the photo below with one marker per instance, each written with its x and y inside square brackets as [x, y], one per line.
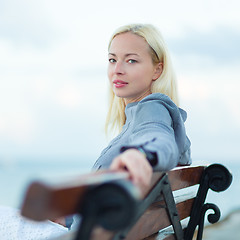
[143, 106]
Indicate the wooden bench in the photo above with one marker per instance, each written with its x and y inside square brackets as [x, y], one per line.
[112, 208]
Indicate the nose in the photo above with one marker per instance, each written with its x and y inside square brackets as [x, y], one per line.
[119, 68]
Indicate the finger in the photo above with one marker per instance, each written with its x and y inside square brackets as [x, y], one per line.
[117, 164]
[138, 166]
[135, 162]
[142, 173]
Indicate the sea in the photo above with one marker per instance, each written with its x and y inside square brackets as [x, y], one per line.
[15, 177]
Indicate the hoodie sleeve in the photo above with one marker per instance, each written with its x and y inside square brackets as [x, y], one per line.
[159, 128]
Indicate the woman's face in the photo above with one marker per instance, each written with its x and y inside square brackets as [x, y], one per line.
[131, 70]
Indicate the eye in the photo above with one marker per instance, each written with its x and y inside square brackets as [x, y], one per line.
[111, 60]
[132, 61]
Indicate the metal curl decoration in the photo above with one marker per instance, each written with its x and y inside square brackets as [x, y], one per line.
[219, 177]
[212, 217]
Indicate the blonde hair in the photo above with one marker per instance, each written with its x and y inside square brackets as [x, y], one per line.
[165, 84]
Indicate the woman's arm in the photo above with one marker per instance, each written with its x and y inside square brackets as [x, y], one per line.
[159, 129]
[137, 165]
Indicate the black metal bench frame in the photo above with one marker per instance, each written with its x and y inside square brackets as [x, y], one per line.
[113, 205]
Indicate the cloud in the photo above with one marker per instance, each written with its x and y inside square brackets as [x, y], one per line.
[53, 70]
[212, 101]
[26, 23]
[220, 44]
[16, 128]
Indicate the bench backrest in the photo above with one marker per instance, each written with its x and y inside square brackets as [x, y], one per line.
[163, 203]
[156, 216]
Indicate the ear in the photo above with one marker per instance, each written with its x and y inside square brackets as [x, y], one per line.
[158, 71]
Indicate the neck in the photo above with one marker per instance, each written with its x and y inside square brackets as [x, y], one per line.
[137, 99]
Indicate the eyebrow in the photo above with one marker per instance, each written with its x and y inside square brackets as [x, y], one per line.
[126, 55]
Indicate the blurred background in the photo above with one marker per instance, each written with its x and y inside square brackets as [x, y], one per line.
[53, 83]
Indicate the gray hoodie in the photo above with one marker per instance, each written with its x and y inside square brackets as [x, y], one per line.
[156, 123]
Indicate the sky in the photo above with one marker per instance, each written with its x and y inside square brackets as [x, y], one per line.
[53, 81]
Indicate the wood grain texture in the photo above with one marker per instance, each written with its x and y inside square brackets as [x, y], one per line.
[184, 177]
[156, 218]
[50, 201]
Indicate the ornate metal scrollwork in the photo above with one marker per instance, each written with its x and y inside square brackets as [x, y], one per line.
[212, 217]
[217, 178]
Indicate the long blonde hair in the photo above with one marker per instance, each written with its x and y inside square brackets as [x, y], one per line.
[165, 84]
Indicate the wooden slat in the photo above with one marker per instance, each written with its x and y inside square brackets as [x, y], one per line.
[167, 233]
[44, 202]
[185, 177]
[161, 236]
[156, 218]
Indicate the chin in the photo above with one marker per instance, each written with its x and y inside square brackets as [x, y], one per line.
[119, 95]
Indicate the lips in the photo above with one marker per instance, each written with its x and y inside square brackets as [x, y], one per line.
[119, 83]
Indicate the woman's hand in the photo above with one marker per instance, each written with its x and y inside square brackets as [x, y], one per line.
[137, 165]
